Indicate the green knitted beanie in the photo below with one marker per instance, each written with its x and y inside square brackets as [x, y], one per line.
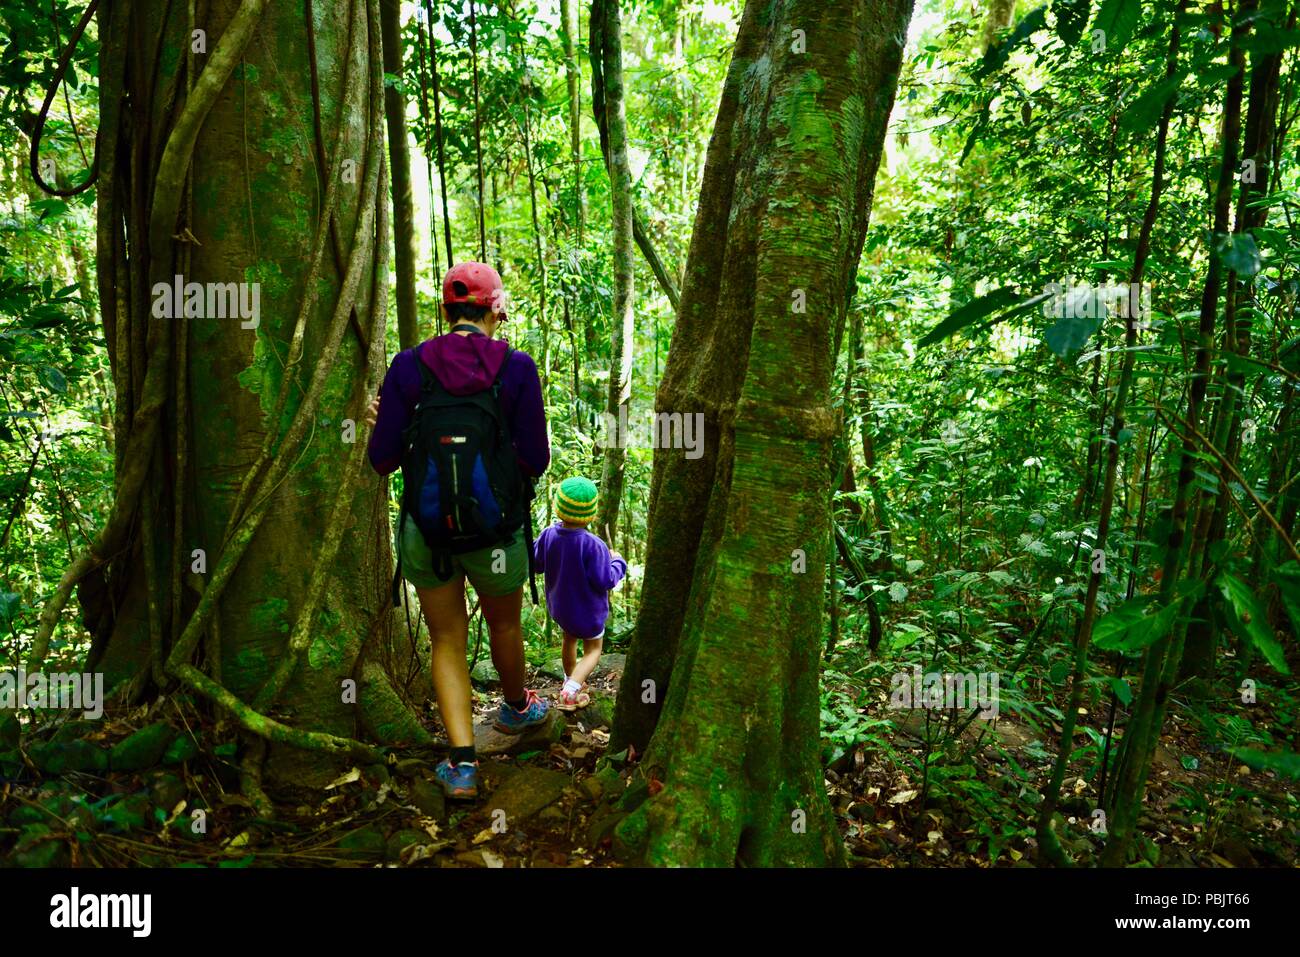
[576, 500]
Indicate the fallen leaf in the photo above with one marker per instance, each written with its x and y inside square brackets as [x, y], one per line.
[483, 836]
[353, 775]
[902, 797]
[422, 852]
[492, 860]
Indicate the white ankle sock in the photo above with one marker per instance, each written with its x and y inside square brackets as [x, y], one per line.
[571, 686]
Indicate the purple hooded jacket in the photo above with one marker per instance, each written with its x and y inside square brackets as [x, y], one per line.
[464, 365]
[580, 571]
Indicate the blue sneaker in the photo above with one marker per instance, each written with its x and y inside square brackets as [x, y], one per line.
[458, 780]
[510, 721]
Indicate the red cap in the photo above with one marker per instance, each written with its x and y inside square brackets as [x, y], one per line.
[477, 284]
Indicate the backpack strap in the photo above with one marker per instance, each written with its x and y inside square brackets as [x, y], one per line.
[501, 371]
[397, 573]
[530, 492]
[430, 384]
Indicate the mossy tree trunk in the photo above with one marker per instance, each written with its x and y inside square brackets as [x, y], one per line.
[246, 556]
[736, 558]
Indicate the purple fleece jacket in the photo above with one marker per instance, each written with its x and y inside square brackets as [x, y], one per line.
[580, 571]
[464, 365]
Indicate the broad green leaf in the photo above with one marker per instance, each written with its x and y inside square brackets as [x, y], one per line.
[973, 311]
[1146, 109]
[1071, 16]
[1116, 20]
[1248, 620]
[1282, 763]
[1122, 691]
[1269, 41]
[52, 379]
[1070, 334]
[1127, 628]
[1132, 626]
[1238, 252]
[1287, 578]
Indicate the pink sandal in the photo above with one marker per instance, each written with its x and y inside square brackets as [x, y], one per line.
[572, 701]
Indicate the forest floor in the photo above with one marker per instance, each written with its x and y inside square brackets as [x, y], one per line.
[542, 801]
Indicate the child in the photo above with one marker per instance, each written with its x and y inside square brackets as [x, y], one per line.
[580, 571]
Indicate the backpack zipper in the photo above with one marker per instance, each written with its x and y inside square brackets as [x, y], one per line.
[455, 492]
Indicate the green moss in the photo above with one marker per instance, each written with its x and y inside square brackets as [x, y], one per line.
[270, 617]
[329, 649]
[810, 127]
[631, 835]
[259, 378]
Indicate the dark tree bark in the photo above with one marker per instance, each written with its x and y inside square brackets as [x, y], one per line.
[399, 160]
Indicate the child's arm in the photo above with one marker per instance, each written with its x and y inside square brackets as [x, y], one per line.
[607, 569]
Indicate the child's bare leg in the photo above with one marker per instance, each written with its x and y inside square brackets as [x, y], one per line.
[587, 663]
[569, 653]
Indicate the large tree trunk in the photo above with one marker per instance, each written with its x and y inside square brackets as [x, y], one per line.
[737, 542]
[606, 23]
[233, 439]
[399, 156]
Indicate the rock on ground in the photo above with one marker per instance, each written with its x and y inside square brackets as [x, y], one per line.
[488, 741]
[525, 793]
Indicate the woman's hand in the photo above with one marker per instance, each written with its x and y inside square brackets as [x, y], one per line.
[371, 415]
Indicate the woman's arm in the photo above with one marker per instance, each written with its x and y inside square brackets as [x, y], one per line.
[385, 448]
[527, 415]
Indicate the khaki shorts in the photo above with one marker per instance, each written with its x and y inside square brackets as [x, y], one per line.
[494, 571]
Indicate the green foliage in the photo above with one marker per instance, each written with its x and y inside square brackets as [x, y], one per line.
[1249, 620]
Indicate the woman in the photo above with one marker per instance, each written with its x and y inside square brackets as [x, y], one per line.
[467, 361]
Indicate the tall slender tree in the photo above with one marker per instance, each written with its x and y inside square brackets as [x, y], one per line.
[573, 81]
[399, 163]
[606, 23]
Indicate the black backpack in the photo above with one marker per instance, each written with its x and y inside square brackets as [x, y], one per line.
[462, 485]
